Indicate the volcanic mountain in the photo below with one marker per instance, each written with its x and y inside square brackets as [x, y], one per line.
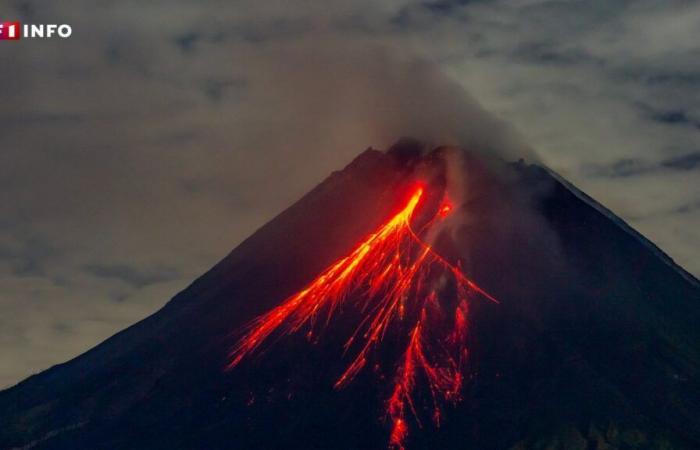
[416, 299]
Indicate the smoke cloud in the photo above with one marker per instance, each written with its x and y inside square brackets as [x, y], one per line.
[346, 95]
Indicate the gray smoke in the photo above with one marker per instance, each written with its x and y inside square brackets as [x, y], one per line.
[332, 97]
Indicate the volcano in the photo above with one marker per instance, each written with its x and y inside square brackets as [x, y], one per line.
[416, 299]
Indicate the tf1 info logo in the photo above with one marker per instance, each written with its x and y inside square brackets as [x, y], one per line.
[14, 31]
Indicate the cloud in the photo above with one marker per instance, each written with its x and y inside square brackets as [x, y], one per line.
[163, 133]
[629, 167]
[132, 275]
[675, 117]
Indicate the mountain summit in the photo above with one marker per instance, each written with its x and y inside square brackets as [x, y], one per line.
[417, 299]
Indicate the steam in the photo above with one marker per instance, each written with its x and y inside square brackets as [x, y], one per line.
[330, 98]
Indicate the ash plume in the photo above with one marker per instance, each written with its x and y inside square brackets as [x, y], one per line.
[342, 95]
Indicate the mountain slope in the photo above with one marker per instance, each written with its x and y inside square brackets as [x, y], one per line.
[594, 343]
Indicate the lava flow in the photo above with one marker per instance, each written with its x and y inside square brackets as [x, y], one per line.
[397, 282]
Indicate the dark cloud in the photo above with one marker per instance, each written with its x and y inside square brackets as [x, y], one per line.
[675, 117]
[691, 161]
[688, 208]
[132, 276]
[621, 168]
[678, 78]
[27, 255]
[549, 53]
[446, 6]
[629, 167]
[187, 41]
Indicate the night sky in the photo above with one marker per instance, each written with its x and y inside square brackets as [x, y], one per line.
[137, 153]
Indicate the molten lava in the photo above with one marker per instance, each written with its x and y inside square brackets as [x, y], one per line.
[399, 284]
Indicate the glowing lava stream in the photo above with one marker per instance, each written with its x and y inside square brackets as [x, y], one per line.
[396, 279]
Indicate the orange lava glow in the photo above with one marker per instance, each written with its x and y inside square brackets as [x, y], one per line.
[400, 285]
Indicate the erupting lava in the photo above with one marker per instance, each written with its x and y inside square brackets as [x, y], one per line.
[397, 281]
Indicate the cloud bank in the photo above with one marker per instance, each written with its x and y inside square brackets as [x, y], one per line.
[137, 153]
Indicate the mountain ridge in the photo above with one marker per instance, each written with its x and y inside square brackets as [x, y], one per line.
[566, 289]
[624, 225]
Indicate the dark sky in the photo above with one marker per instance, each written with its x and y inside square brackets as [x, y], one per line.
[137, 153]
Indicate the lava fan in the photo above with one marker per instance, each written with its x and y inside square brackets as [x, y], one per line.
[399, 284]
